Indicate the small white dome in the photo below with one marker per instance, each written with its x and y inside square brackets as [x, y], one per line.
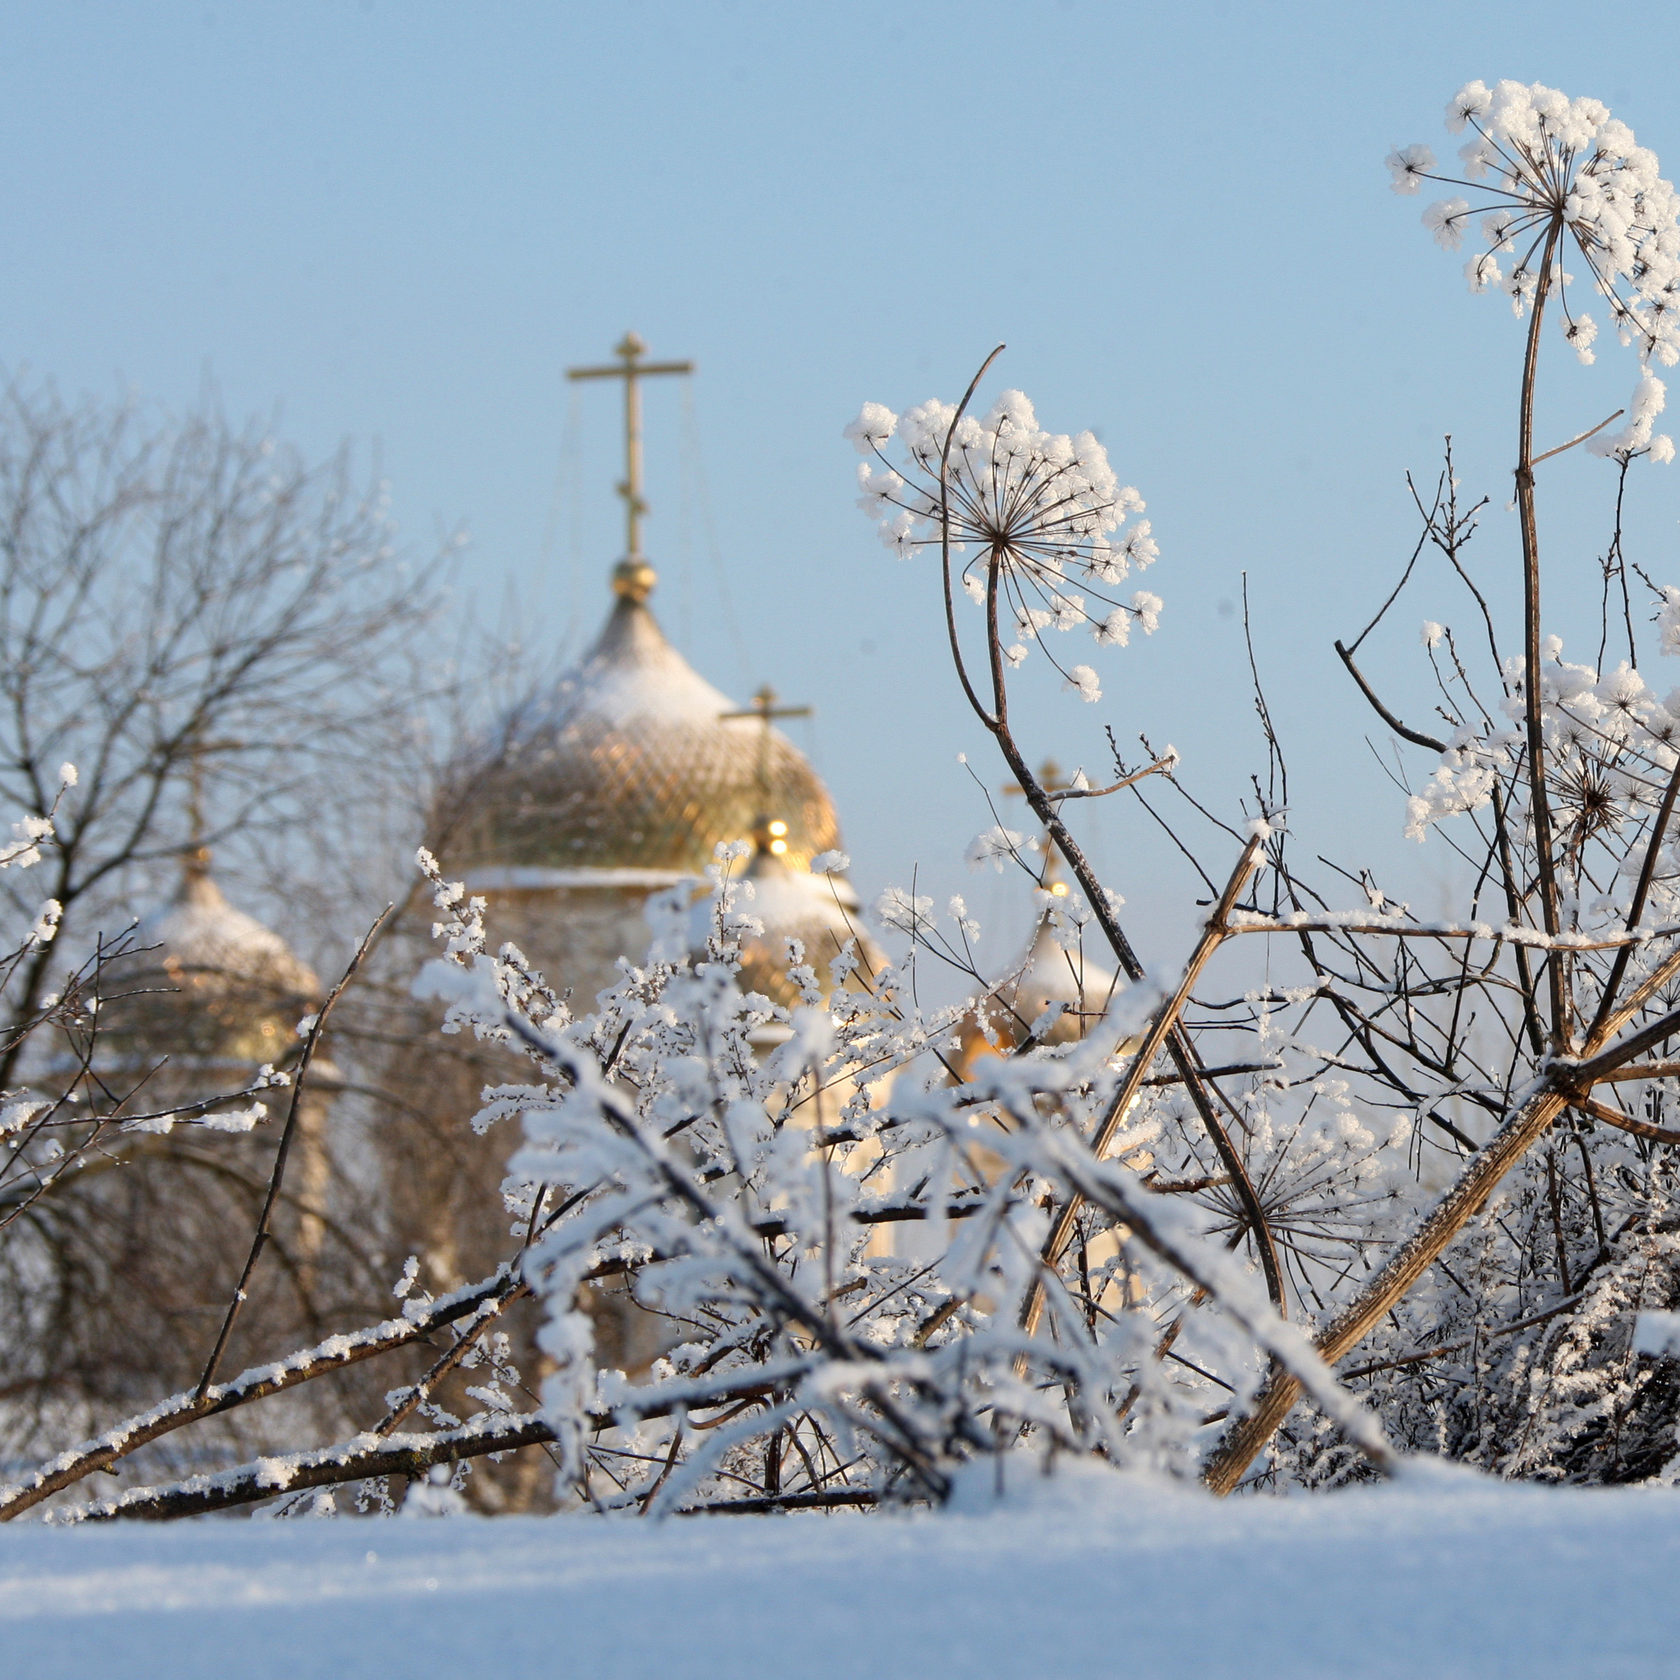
[204, 983]
[199, 930]
[820, 911]
[1051, 975]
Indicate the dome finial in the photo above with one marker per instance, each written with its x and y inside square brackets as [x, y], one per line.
[764, 708]
[633, 580]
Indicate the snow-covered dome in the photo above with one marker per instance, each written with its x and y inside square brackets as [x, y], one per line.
[821, 912]
[1047, 974]
[1051, 974]
[628, 765]
[206, 982]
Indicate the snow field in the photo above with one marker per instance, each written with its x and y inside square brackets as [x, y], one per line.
[1099, 1576]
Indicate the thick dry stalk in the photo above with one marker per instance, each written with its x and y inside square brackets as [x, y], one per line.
[1640, 1070]
[402, 1455]
[1563, 1085]
[257, 1384]
[1626, 1123]
[1214, 933]
[355, 1461]
[1557, 976]
[1527, 1124]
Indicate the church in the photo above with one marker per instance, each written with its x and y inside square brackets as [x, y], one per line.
[625, 777]
[619, 779]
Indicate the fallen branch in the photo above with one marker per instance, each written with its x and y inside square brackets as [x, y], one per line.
[258, 1383]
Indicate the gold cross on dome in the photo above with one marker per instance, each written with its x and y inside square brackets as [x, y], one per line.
[1049, 778]
[632, 370]
[765, 709]
[198, 854]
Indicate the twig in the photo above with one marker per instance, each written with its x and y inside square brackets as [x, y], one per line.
[1394, 594]
[1415, 736]
[467, 1336]
[1163, 763]
[1591, 431]
[1647, 873]
[1426, 1354]
[260, 1241]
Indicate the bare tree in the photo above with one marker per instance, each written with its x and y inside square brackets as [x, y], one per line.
[179, 597]
[226, 643]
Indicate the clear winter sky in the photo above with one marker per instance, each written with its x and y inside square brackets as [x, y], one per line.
[401, 222]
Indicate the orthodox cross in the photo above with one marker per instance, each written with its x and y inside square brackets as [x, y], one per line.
[632, 370]
[765, 709]
[198, 854]
[1049, 778]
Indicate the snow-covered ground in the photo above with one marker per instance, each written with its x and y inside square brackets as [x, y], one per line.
[1125, 1579]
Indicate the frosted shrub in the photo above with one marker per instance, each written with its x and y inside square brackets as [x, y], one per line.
[1344, 1183]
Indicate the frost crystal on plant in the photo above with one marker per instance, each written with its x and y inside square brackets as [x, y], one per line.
[998, 846]
[1045, 508]
[1550, 173]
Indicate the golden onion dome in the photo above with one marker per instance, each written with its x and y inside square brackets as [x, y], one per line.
[204, 983]
[633, 763]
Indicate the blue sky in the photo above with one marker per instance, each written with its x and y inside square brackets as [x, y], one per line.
[398, 224]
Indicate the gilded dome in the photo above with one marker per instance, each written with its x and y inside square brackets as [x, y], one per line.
[206, 983]
[629, 764]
